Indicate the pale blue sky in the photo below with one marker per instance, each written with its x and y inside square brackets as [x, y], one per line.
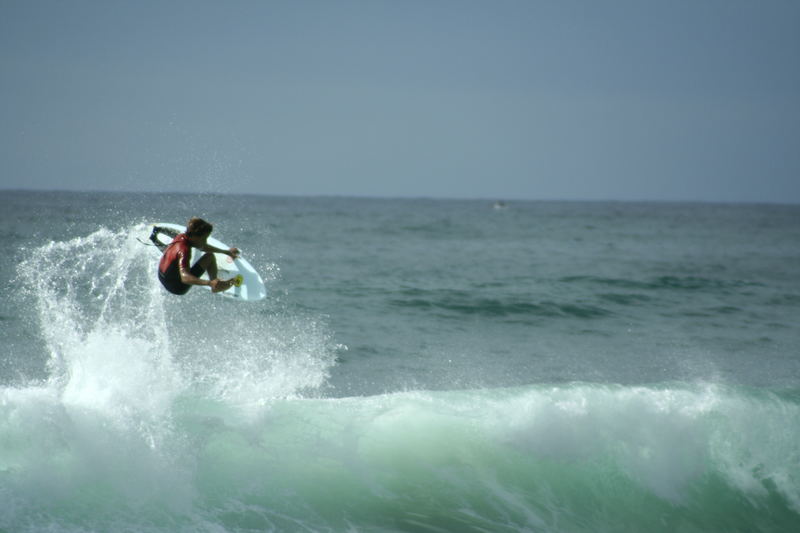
[625, 100]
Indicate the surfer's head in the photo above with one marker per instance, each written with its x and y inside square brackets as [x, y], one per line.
[197, 227]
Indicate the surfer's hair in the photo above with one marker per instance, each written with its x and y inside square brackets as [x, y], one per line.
[197, 227]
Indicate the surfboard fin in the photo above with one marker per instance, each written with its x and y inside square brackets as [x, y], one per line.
[154, 238]
[166, 231]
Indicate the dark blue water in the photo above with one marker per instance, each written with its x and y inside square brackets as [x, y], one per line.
[418, 365]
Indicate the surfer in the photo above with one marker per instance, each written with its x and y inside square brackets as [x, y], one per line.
[173, 269]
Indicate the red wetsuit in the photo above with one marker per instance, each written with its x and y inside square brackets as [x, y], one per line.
[177, 256]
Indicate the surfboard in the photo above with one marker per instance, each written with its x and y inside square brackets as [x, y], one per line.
[249, 286]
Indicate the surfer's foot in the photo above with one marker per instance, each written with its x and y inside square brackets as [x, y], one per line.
[219, 285]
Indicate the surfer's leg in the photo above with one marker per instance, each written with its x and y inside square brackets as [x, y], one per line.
[209, 264]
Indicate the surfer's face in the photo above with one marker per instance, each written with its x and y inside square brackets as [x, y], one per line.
[198, 240]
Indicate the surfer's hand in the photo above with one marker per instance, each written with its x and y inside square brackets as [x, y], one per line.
[219, 285]
[233, 252]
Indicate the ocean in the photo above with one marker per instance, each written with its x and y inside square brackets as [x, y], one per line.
[419, 365]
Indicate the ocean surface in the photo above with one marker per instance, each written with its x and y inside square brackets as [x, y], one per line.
[418, 366]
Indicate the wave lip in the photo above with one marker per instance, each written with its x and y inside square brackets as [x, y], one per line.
[571, 458]
[579, 457]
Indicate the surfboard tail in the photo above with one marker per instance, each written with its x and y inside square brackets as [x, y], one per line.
[159, 230]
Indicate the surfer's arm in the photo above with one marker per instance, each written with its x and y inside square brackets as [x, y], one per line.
[216, 284]
[185, 272]
[190, 279]
[233, 252]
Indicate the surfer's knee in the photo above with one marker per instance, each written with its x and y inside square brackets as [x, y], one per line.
[207, 259]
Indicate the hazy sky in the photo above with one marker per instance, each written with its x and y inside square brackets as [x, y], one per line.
[663, 100]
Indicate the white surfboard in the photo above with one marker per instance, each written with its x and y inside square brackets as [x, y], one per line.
[251, 288]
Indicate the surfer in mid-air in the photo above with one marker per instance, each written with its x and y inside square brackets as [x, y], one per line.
[174, 271]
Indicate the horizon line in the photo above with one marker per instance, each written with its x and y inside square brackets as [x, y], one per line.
[495, 199]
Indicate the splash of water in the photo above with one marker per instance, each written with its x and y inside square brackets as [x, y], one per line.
[120, 344]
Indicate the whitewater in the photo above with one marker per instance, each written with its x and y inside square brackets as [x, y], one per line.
[478, 387]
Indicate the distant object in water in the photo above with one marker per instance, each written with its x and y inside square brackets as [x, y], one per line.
[500, 205]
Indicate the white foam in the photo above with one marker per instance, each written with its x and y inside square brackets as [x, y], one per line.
[119, 343]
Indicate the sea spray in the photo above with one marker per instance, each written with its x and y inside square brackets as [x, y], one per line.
[105, 319]
[103, 323]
